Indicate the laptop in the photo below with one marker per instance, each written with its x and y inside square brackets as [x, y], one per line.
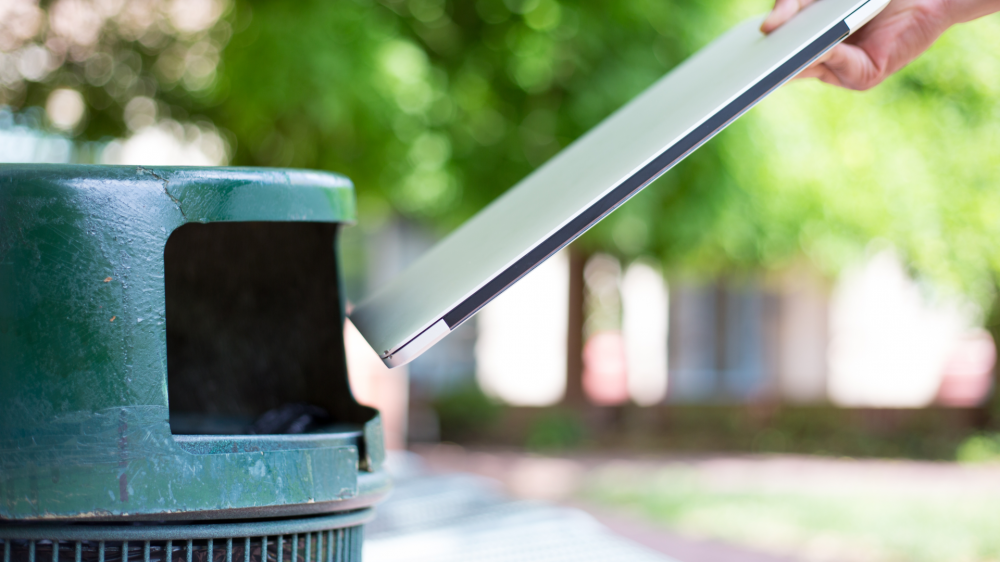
[591, 177]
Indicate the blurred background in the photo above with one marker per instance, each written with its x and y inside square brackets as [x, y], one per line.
[821, 279]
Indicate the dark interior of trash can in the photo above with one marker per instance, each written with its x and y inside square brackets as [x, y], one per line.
[255, 330]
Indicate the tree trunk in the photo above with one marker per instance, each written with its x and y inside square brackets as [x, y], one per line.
[989, 414]
[575, 396]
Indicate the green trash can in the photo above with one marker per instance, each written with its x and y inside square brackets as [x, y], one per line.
[173, 383]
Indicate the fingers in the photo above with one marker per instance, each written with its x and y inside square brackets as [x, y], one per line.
[847, 66]
[817, 69]
[823, 73]
[782, 12]
[853, 67]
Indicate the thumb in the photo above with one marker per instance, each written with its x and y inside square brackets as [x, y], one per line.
[853, 67]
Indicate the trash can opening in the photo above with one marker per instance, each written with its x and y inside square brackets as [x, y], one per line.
[254, 326]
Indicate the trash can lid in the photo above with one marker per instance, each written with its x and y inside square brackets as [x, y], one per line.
[201, 194]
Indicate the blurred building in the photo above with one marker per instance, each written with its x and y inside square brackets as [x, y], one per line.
[718, 345]
[874, 338]
[521, 348]
[645, 322]
[894, 343]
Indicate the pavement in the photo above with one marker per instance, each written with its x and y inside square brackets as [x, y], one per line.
[556, 480]
[464, 517]
[511, 505]
[452, 505]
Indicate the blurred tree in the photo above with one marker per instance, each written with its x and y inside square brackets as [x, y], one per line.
[102, 68]
[434, 107]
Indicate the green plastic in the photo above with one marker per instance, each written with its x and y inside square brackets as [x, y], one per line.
[84, 417]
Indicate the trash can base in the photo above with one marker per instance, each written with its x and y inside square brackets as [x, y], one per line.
[328, 538]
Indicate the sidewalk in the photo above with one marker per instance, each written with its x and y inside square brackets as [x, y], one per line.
[451, 505]
[555, 480]
[463, 517]
[759, 508]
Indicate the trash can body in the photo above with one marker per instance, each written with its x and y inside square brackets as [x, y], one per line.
[148, 316]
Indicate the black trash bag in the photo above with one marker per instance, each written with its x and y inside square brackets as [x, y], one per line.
[290, 418]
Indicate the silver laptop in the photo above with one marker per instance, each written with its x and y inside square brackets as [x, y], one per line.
[591, 177]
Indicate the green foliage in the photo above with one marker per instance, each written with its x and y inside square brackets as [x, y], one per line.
[556, 430]
[933, 434]
[464, 411]
[804, 519]
[980, 448]
[163, 53]
[436, 107]
[912, 162]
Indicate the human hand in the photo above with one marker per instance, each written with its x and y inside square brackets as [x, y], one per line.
[896, 36]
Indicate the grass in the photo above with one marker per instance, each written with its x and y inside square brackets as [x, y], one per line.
[819, 524]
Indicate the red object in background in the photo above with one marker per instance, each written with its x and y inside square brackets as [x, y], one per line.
[604, 371]
[968, 372]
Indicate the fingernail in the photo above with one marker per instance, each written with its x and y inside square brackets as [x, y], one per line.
[765, 27]
[770, 22]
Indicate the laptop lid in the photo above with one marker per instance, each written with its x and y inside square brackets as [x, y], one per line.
[591, 177]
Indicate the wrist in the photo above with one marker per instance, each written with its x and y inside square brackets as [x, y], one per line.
[961, 11]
